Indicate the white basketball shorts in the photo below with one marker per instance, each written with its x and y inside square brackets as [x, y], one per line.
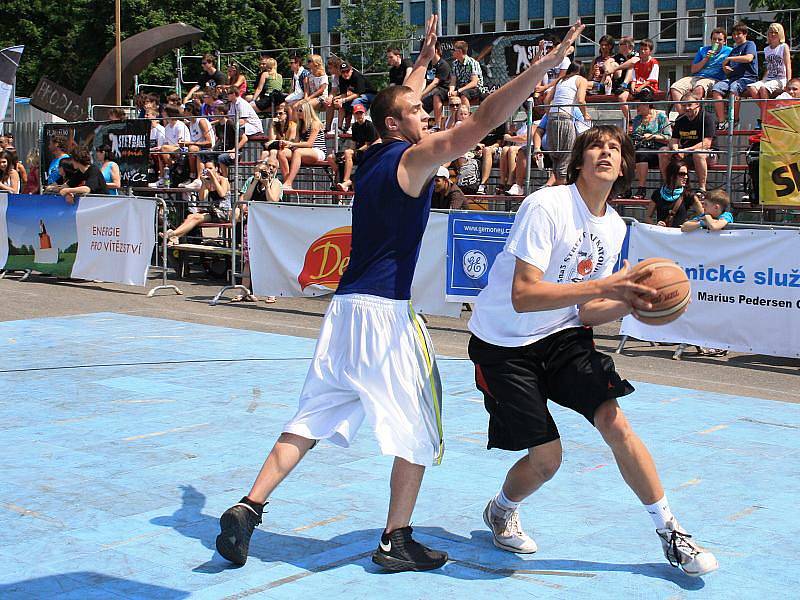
[373, 358]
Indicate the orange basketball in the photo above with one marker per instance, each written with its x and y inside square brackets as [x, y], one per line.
[674, 291]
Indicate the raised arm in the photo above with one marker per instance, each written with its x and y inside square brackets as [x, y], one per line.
[422, 160]
[416, 79]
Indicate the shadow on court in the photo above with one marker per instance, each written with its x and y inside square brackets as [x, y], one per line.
[316, 555]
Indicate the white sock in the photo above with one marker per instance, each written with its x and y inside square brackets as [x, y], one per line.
[660, 513]
[503, 502]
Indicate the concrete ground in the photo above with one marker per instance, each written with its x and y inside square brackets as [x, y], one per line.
[128, 424]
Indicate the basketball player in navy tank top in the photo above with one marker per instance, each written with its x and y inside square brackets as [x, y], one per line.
[373, 358]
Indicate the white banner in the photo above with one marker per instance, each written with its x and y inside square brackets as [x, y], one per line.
[745, 288]
[115, 239]
[3, 229]
[303, 251]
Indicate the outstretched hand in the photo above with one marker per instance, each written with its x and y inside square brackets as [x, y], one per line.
[554, 58]
[429, 42]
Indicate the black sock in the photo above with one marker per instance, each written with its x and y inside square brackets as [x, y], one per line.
[259, 508]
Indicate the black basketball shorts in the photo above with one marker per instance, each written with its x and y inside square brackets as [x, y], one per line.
[564, 367]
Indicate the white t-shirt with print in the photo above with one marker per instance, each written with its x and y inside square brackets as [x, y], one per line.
[177, 132]
[252, 124]
[555, 232]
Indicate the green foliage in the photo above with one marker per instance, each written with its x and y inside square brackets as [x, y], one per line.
[65, 41]
[367, 21]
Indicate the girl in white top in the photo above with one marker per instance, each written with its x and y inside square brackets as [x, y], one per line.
[316, 83]
[569, 92]
[778, 67]
[201, 137]
[310, 145]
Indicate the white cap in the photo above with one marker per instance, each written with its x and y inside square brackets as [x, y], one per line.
[443, 172]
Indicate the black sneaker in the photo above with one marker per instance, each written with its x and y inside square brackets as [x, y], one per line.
[236, 527]
[398, 551]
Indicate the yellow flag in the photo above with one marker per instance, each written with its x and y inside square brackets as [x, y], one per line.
[779, 157]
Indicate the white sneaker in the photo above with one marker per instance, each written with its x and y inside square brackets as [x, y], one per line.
[514, 190]
[683, 552]
[482, 190]
[192, 185]
[506, 530]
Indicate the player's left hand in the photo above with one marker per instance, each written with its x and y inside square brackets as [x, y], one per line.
[429, 43]
[554, 58]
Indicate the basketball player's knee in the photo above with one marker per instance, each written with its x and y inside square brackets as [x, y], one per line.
[612, 424]
[545, 462]
[547, 469]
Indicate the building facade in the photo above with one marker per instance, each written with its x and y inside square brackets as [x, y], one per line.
[678, 27]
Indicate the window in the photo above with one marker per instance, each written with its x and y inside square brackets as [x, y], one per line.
[487, 27]
[641, 26]
[512, 25]
[561, 22]
[335, 41]
[331, 3]
[314, 39]
[536, 23]
[669, 26]
[614, 26]
[696, 23]
[725, 18]
[587, 37]
[314, 3]
[462, 28]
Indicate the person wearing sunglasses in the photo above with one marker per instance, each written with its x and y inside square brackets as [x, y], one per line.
[668, 203]
[209, 78]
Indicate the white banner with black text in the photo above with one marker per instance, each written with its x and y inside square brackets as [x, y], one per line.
[303, 251]
[115, 239]
[745, 288]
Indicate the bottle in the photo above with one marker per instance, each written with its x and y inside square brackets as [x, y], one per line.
[167, 177]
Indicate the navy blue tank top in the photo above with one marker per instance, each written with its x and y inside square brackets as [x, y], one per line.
[387, 227]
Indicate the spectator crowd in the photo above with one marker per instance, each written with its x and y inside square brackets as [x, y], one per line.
[195, 139]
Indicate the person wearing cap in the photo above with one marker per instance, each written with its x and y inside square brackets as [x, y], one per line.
[354, 89]
[446, 194]
[364, 135]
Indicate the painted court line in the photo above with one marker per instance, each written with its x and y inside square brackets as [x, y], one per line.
[712, 429]
[321, 523]
[144, 436]
[743, 513]
[292, 578]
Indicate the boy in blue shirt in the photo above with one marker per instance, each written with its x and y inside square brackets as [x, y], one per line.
[741, 69]
[714, 214]
[706, 68]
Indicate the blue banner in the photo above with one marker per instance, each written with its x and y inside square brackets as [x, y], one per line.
[473, 242]
[41, 234]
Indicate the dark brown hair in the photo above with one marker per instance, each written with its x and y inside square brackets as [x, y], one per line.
[597, 134]
[740, 27]
[386, 105]
[81, 155]
[671, 174]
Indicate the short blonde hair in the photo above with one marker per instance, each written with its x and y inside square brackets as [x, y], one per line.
[272, 66]
[778, 28]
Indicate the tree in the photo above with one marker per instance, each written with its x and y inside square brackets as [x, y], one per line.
[365, 21]
[790, 21]
[67, 42]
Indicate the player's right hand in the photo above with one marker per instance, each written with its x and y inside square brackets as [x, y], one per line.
[623, 286]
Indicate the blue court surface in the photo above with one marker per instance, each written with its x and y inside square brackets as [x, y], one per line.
[122, 440]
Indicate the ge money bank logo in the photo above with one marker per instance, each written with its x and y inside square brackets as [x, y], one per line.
[326, 259]
[474, 264]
